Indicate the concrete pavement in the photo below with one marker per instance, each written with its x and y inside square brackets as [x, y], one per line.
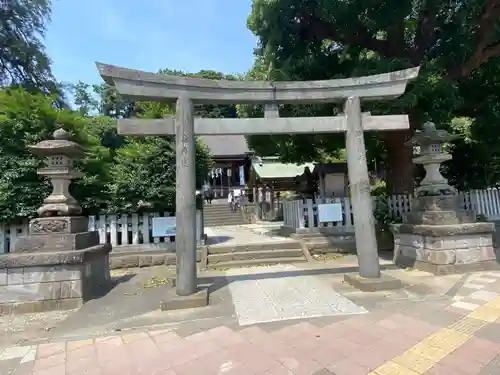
[394, 342]
[277, 320]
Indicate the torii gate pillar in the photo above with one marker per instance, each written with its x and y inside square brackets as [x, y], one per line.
[185, 202]
[364, 225]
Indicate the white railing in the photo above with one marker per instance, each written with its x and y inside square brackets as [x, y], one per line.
[301, 214]
[120, 230]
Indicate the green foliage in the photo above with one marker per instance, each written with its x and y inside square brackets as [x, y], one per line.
[27, 119]
[143, 175]
[455, 43]
[92, 191]
[382, 213]
[476, 154]
[120, 174]
[379, 188]
[22, 54]
[101, 99]
[142, 171]
[481, 218]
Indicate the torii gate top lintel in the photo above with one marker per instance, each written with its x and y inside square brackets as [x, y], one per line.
[140, 85]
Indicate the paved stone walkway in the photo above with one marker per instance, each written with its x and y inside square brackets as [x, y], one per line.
[474, 290]
[284, 319]
[375, 344]
[260, 299]
[429, 337]
[244, 234]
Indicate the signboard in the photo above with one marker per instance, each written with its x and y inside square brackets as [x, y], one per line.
[242, 175]
[164, 226]
[329, 212]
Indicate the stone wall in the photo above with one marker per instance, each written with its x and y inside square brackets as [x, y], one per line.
[131, 259]
[496, 235]
[95, 277]
[457, 250]
[57, 287]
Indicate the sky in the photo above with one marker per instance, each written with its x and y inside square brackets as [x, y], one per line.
[188, 35]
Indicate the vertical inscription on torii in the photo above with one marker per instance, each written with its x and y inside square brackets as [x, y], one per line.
[185, 202]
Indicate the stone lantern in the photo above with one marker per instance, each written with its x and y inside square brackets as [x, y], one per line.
[432, 153]
[439, 235]
[66, 264]
[60, 154]
[435, 202]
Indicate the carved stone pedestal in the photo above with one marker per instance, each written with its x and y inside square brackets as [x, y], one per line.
[440, 236]
[445, 249]
[60, 265]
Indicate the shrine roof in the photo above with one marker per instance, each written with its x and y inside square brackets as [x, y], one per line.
[229, 145]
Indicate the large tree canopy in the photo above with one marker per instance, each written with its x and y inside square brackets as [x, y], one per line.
[143, 168]
[22, 54]
[453, 41]
[121, 174]
[25, 119]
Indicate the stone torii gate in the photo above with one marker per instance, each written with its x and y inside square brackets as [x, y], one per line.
[139, 85]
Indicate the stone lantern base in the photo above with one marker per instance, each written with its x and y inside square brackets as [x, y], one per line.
[58, 266]
[445, 249]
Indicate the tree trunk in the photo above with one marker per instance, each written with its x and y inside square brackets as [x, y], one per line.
[400, 169]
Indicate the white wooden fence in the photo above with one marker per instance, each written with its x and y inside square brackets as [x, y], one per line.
[121, 230]
[300, 214]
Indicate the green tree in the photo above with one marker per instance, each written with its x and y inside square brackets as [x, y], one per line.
[142, 170]
[26, 119]
[22, 54]
[317, 39]
[84, 98]
[143, 175]
[101, 99]
[92, 191]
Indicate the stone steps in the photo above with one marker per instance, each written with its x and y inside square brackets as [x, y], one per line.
[323, 246]
[255, 262]
[267, 253]
[148, 258]
[251, 255]
[318, 243]
[223, 222]
[218, 256]
[216, 215]
[321, 235]
[265, 246]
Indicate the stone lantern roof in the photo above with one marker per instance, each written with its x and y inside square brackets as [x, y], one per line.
[430, 135]
[61, 145]
[429, 145]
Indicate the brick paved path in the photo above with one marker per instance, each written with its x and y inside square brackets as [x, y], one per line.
[415, 340]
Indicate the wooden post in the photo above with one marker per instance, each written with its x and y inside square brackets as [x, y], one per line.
[322, 185]
[185, 198]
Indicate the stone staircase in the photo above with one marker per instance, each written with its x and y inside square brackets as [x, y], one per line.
[256, 254]
[318, 243]
[218, 214]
